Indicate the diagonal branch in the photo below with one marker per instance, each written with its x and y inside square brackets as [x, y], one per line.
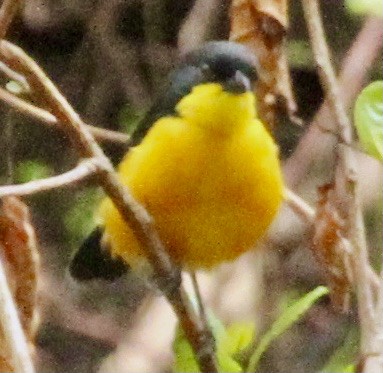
[8, 11]
[299, 206]
[168, 275]
[84, 169]
[24, 107]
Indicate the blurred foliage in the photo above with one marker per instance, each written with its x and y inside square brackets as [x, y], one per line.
[230, 342]
[289, 316]
[373, 218]
[368, 119]
[340, 361]
[79, 219]
[32, 170]
[362, 7]
[233, 341]
[299, 53]
[129, 117]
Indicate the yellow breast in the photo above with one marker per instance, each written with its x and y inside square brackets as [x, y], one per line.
[210, 178]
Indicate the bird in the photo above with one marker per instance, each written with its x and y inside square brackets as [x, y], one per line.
[202, 164]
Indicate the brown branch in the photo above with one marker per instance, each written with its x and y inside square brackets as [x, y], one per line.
[168, 275]
[354, 69]
[325, 70]
[46, 117]
[346, 186]
[308, 213]
[12, 330]
[8, 11]
[299, 206]
[198, 295]
[13, 75]
[84, 169]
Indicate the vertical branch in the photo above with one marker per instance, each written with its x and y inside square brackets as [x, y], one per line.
[325, 69]
[11, 326]
[354, 68]
[9, 319]
[346, 186]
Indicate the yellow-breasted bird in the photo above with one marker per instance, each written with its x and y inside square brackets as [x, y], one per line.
[204, 167]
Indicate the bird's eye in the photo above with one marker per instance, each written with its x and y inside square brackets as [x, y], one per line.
[205, 68]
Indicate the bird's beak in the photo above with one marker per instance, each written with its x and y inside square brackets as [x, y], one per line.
[238, 84]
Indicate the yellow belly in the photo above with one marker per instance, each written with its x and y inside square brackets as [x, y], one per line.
[212, 196]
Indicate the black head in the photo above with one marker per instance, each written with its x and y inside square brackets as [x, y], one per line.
[228, 63]
[224, 62]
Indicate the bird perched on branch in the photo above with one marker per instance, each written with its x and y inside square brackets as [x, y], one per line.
[203, 165]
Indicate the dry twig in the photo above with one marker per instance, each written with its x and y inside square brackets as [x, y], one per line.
[299, 206]
[84, 169]
[354, 69]
[13, 331]
[9, 320]
[24, 107]
[8, 11]
[346, 188]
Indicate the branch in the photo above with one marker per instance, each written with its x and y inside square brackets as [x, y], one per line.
[168, 275]
[8, 11]
[299, 206]
[84, 169]
[308, 213]
[355, 66]
[346, 187]
[13, 75]
[46, 117]
[11, 327]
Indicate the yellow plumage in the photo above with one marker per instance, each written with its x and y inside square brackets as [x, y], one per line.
[210, 178]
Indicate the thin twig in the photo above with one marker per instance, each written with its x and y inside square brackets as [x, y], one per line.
[197, 292]
[168, 275]
[8, 11]
[346, 186]
[12, 330]
[354, 69]
[13, 75]
[84, 169]
[24, 107]
[307, 213]
[299, 206]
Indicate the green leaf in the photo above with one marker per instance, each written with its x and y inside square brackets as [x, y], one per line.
[238, 336]
[229, 342]
[185, 360]
[349, 369]
[31, 170]
[292, 314]
[362, 7]
[184, 357]
[368, 119]
[227, 364]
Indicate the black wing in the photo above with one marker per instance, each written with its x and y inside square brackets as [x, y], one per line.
[92, 261]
